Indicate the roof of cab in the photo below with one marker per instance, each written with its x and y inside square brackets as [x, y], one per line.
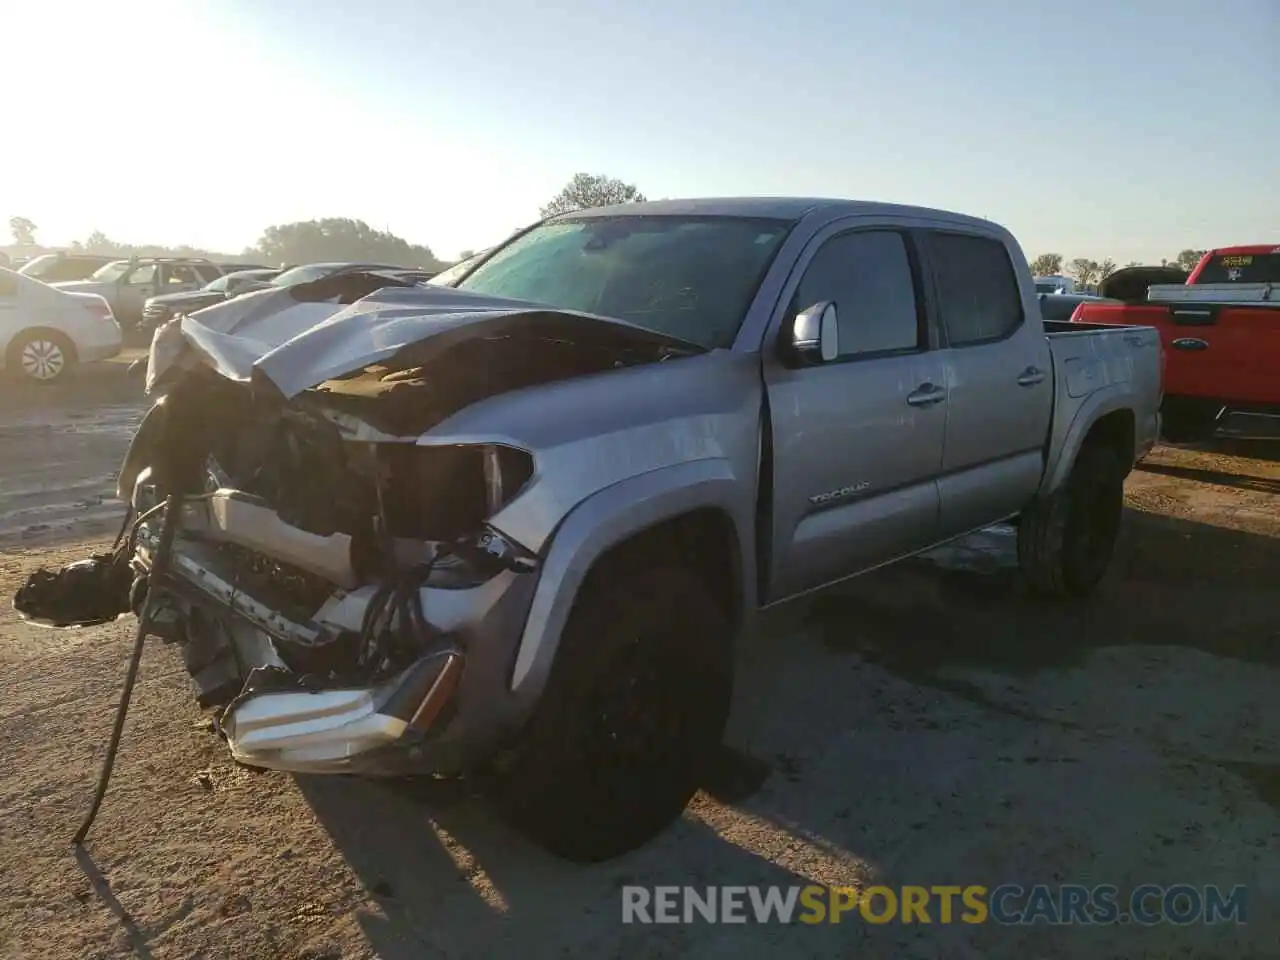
[777, 208]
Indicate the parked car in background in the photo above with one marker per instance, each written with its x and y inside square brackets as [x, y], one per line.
[157, 310]
[241, 267]
[1220, 329]
[45, 333]
[414, 276]
[1055, 283]
[128, 284]
[306, 272]
[61, 267]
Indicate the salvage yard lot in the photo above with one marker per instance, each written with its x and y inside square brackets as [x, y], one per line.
[923, 725]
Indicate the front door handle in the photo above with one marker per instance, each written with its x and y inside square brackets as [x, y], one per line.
[926, 395]
[1030, 377]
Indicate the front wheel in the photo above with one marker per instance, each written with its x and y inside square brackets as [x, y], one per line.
[633, 710]
[43, 357]
[1066, 540]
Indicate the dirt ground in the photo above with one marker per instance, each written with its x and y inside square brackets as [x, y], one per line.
[923, 725]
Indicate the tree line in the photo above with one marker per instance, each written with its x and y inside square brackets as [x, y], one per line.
[309, 241]
[329, 238]
[1088, 273]
[343, 238]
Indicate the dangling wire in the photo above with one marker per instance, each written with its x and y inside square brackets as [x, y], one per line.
[399, 601]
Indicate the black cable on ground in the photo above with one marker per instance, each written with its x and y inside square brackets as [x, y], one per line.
[158, 566]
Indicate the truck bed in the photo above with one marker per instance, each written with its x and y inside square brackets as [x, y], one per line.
[1092, 358]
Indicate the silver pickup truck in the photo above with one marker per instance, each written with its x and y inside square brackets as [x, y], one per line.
[511, 527]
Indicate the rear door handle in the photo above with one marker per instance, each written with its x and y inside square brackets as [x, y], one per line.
[926, 395]
[1190, 343]
[1030, 377]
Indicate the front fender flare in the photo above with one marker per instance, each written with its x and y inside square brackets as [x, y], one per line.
[604, 520]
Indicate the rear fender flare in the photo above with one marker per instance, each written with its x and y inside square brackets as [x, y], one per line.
[1097, 405]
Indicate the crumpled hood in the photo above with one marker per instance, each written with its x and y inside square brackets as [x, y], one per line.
[296, 344]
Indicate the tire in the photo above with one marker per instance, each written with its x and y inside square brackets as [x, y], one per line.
[633, 710]
[1188, 419]
[42, 357]
[1066, 541]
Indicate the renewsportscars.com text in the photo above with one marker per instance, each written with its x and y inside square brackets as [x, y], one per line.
[1062, 904]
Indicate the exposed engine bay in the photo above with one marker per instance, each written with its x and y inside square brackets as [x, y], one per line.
[329, 555]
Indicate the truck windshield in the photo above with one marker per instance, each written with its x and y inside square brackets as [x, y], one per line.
[689, 277]
[111, 272]
[1242, 268]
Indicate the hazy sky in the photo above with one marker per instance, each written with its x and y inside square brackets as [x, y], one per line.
[1129, 129]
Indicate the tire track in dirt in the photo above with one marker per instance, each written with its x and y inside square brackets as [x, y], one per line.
[58, 470]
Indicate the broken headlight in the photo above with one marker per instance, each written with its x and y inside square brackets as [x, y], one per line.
[446, 493]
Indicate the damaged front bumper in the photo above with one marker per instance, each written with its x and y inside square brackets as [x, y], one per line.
[380, 729]
[443, 712]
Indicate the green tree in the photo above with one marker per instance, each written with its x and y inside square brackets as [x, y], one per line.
[1085, 271]
[1106, 268]
[98, 242]
[23, 230]
[1047, 265]
[339, 238]
[588, 190]
[1187, 259]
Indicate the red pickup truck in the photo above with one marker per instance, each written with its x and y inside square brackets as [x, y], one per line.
[1219, 327]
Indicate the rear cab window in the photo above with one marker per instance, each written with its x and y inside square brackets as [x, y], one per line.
[1240, 267]
[976, 287]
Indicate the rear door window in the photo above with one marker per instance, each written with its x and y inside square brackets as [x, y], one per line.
[977, 290]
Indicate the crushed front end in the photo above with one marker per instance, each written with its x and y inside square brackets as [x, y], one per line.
[336, 587]
[326, 593]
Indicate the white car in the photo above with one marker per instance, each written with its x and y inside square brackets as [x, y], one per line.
[45, 333]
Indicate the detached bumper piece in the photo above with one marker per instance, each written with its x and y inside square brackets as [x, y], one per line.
[81, 594]
[370, 730]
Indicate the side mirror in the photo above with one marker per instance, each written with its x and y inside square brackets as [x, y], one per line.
[815, 338]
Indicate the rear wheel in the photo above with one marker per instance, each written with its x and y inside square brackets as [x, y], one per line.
[44, 357]
[1066, 540]
[635, 706]
[1189, 419]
